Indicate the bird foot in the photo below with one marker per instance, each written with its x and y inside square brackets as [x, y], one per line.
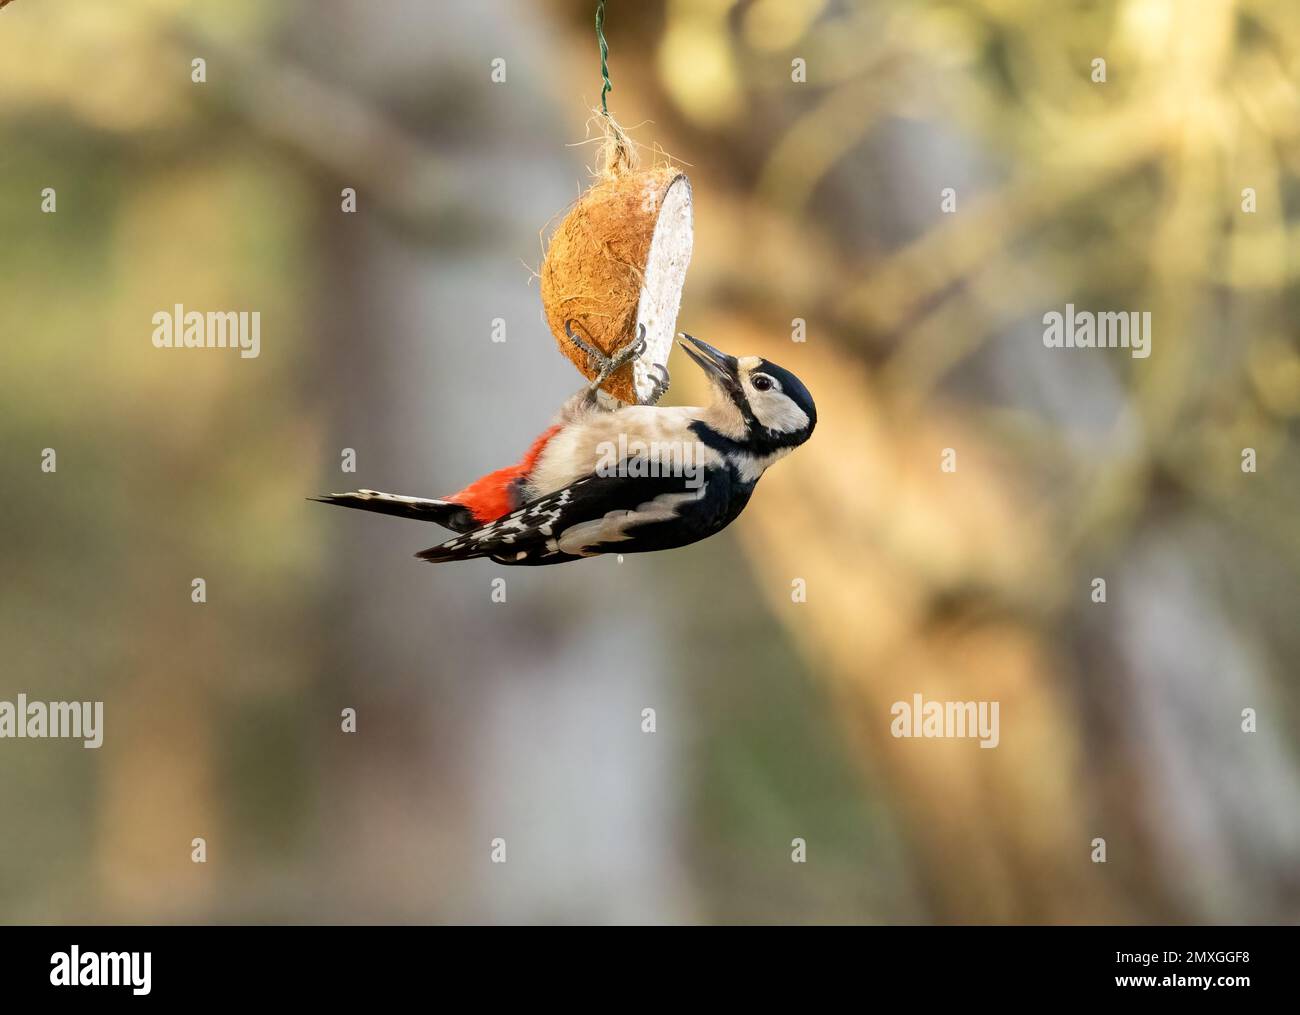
[604, 365]
[659, 384]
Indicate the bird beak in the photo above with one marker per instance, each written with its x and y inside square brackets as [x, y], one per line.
[715, 363]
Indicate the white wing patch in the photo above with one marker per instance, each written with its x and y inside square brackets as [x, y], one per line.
[612, 527]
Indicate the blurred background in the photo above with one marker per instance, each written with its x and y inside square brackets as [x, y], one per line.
[817, 200]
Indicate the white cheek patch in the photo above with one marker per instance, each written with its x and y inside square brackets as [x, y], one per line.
[775, 411]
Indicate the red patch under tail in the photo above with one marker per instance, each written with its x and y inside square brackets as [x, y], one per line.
[497, 493]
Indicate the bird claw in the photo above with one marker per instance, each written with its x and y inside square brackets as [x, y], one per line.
[604, 365]
[593, 354]
[658, 385]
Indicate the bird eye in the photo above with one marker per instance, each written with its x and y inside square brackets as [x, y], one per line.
[761, 382]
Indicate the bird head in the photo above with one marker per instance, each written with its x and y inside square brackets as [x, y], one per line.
[775, 409]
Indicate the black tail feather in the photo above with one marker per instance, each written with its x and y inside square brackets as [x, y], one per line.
[442, 512]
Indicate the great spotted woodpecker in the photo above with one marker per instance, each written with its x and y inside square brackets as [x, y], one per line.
[630, 479]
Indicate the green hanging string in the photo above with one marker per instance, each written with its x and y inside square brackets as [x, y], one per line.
[604, 56]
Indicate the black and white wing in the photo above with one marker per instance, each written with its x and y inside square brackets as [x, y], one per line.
[598, 514]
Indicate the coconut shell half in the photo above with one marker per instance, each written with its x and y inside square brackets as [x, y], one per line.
[618, 261]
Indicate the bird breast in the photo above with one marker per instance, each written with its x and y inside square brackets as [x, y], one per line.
[602, 440]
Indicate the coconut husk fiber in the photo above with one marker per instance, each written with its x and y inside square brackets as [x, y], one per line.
[594, 274]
